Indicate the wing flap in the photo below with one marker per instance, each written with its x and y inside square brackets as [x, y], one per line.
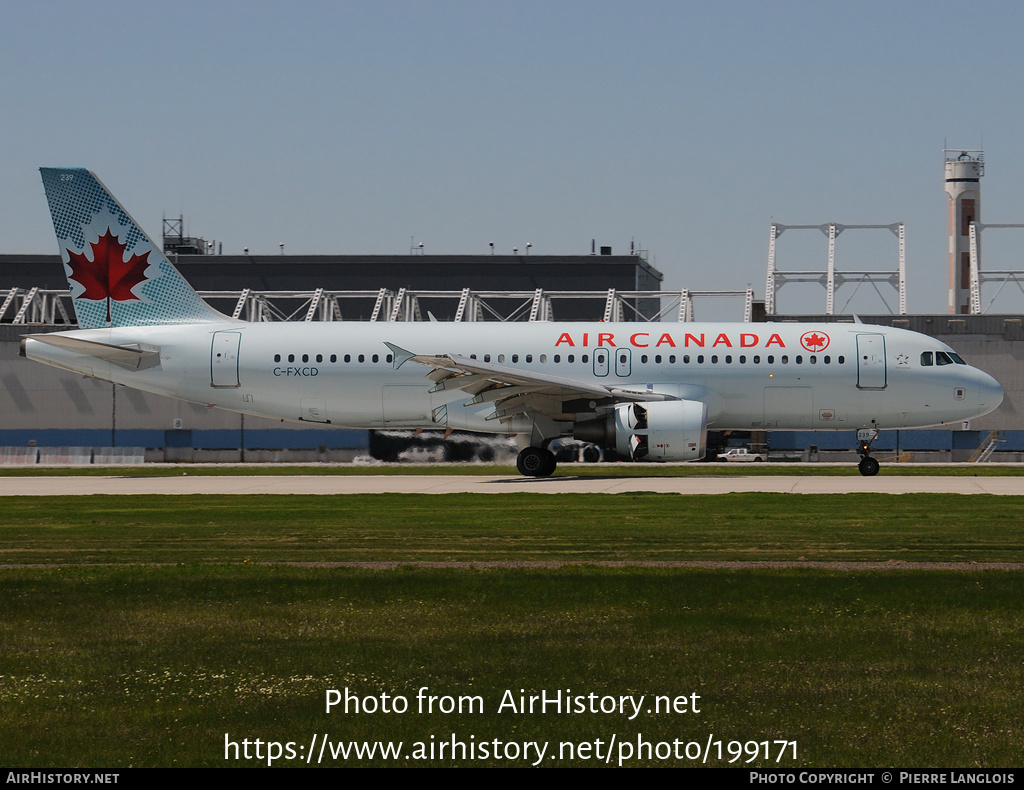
[513, 390]
[467, 371]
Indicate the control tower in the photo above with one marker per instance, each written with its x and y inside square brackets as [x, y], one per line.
[964, 170]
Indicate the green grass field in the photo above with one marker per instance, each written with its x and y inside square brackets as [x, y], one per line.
[516, 527]
[161, 625]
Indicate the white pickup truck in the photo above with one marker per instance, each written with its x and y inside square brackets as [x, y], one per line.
[741, 454]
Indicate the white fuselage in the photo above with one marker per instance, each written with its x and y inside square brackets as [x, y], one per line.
[750, 376]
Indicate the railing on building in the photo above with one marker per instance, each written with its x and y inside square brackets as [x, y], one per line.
[979, 277]
[832, 279]
[44, 306]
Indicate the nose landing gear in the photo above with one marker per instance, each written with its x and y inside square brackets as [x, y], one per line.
[868, 466]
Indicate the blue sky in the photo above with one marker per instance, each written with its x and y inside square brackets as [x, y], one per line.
[349, 127]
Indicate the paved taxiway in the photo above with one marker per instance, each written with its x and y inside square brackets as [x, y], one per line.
[498, 484]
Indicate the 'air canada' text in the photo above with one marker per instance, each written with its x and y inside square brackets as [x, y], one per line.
[669, 340]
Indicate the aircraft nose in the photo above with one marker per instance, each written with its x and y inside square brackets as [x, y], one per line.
[990, 392]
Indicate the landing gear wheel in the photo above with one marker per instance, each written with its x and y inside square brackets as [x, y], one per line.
[535, 462]
[868, 466]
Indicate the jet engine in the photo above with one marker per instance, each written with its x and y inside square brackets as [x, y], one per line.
[673, 430]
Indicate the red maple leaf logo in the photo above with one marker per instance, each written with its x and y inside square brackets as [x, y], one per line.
[108, 275]
[813, 341]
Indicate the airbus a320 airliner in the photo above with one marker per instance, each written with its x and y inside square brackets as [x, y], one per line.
[648, 391]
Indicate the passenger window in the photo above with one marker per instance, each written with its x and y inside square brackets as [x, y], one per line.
[657, 359]
[291, 357]
[672, 359]
[643, 359]
[571, 358]
[529, 357]
[362, 358]
[926, 359]
[376, 358]
[558, 358]
[334, 357]
[277, 357]
[319, 357]
[305, 357]
[348, 357]
[487, 357]
[515, 357]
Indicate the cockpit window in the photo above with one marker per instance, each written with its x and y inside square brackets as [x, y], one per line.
[929, 358]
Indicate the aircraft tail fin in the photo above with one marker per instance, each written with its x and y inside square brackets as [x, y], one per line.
[116, 274]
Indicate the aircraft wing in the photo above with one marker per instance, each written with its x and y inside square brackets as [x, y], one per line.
[134, 356]
[512, 390]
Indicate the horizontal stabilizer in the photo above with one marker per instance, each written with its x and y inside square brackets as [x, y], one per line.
[132, 356]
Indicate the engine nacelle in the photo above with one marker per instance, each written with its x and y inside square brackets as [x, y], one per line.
[673, 430]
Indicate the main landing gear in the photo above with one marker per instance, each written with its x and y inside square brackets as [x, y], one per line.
[536, 462]
[868, 466]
